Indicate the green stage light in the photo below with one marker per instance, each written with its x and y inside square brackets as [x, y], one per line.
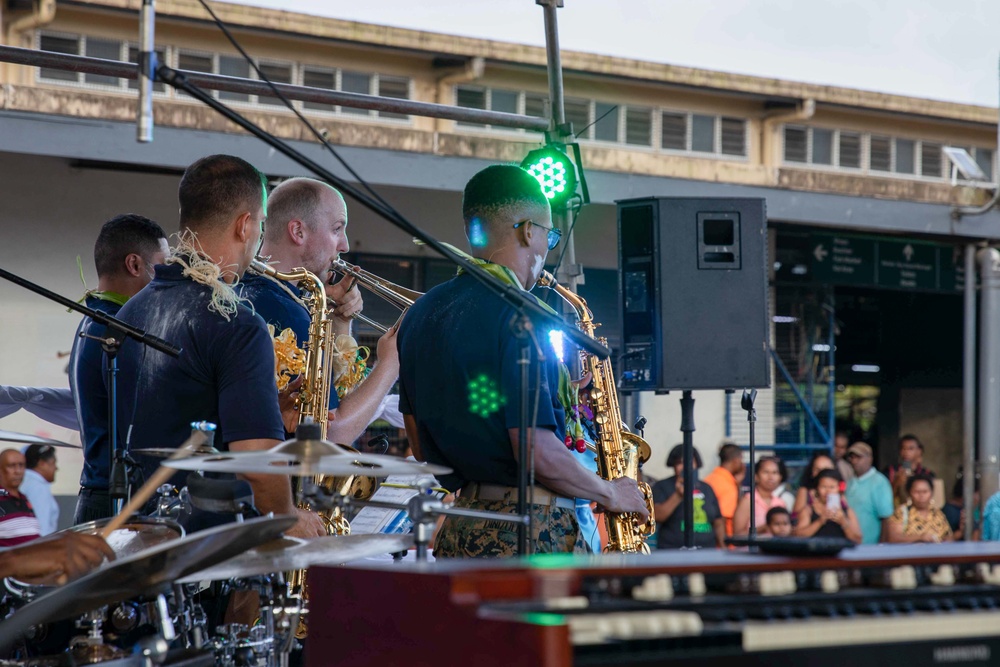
[554, 170]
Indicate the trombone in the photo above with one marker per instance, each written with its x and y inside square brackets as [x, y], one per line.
[397, 295]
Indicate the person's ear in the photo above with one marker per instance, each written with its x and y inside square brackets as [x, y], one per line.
[524, 231]
[133, 264]
[243, 229]
[297, 231]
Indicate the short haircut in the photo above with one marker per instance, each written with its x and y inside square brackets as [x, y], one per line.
[910, 436]
[776, 512]
[676, 457]
[919, 478]
[730, 452]
[494, 194]
[217, 188]
[829, 473]
[35, 454]
[295, 198]
[121, 236]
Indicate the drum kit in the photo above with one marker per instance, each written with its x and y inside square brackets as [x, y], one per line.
[156, 602]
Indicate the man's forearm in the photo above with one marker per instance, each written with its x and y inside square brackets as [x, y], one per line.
[357, 408]
[271, 493]
[557, 470]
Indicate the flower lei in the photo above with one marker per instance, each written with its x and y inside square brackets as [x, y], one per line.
[189, 254]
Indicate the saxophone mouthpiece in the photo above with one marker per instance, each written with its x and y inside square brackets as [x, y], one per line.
[260, 267]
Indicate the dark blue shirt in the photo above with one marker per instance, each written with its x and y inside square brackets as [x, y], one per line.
[224, 375]
[86, 382]
[281, 310]
[460, 379]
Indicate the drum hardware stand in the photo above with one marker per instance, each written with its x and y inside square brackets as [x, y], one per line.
[423, 509]
[118, 331]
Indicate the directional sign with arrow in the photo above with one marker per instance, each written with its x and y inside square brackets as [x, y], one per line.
[820, 253]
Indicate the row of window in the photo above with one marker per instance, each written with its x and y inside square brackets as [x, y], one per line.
[236, 66]
[631, 125]
[873, 153]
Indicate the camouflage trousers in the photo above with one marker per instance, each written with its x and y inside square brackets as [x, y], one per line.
[554, 530]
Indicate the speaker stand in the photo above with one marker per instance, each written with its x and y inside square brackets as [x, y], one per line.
[687, 428]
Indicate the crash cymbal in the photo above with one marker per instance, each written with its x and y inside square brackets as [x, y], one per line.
[146, 573]
[11, 436]
[271, 462]
[167, 452]
[289, 553]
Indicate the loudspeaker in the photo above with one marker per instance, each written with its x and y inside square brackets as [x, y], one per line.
[693, 280]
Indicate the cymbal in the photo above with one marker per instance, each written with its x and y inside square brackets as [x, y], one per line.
[271, 462]
[11, 436]
[146, 573]
[289, 553]
[167, 452]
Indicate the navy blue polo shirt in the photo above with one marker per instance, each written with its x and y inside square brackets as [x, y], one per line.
[224, 375]
[86, 382]
[460, 379]
[280, 310]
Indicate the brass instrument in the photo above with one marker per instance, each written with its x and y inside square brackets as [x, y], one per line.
[619, 451]
[397, 295]
[313, 403]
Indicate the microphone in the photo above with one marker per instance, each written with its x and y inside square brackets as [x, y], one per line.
[147, 72]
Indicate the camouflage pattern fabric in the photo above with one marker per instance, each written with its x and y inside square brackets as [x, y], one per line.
[555, 530]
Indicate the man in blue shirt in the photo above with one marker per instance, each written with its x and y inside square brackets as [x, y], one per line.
[225, 373]
[869, 493]
[126, 250]
[307, 227]
[460, 384]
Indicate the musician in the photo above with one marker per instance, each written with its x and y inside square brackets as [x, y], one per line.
[460, 384]
[55, 559]
[307, 227]
[225, 373]
[127, 249]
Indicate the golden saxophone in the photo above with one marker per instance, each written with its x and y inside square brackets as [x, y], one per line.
[619, 451]
[313, 403]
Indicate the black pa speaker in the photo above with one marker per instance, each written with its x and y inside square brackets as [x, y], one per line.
[693, 280]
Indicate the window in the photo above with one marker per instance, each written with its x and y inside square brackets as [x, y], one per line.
[638, 126]
[905, 156]
[396, 87]
[930, 159]
[275, 74]
[504, 100]
[606, 121]
[880, 151]
[56, 44]
[703, 133]
[318, 77]
[355, 82]
[850, 150]
[499, 99]
[536, 105]
[674, 131]
[238, 67]
[984, 158]
[133, 57]
[734, 136]
[107, 49]
[796, 144]
[471, 98]
[822, 146]
[578, 113]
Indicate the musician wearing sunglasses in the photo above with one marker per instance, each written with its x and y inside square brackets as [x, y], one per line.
[306, 227]
[460, 385]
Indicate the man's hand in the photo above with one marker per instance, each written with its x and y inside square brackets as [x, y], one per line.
[56, 560]
[286, 403]
[308, 525]
[626, 497]
[386, 349]
[347, 297]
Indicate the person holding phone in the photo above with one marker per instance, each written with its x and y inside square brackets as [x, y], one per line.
[911, 462]
[828, 515]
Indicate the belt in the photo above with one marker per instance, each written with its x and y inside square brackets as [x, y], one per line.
[540, 495]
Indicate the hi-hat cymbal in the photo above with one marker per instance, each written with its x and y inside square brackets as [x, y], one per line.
[148, 572]
[289, 553]
[271, 462]
[11, 436]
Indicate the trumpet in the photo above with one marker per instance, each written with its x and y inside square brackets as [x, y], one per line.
[397, 295]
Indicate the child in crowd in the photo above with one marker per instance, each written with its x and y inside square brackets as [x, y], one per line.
[779, 522]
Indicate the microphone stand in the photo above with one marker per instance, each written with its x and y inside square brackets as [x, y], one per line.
[746, 402]
[117, 332]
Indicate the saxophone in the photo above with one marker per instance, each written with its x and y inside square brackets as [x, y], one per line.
[619, 451]
[313, 403]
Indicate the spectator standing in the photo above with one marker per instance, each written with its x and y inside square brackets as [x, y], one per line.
[829, 514]
[911, 462]
[40, 461]
[723, 481]
[767, 479]
[918, 520]
[668, 505]
[954, 509]
[840, 442]
[17, 520]
[869, 494]
[807, 482]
